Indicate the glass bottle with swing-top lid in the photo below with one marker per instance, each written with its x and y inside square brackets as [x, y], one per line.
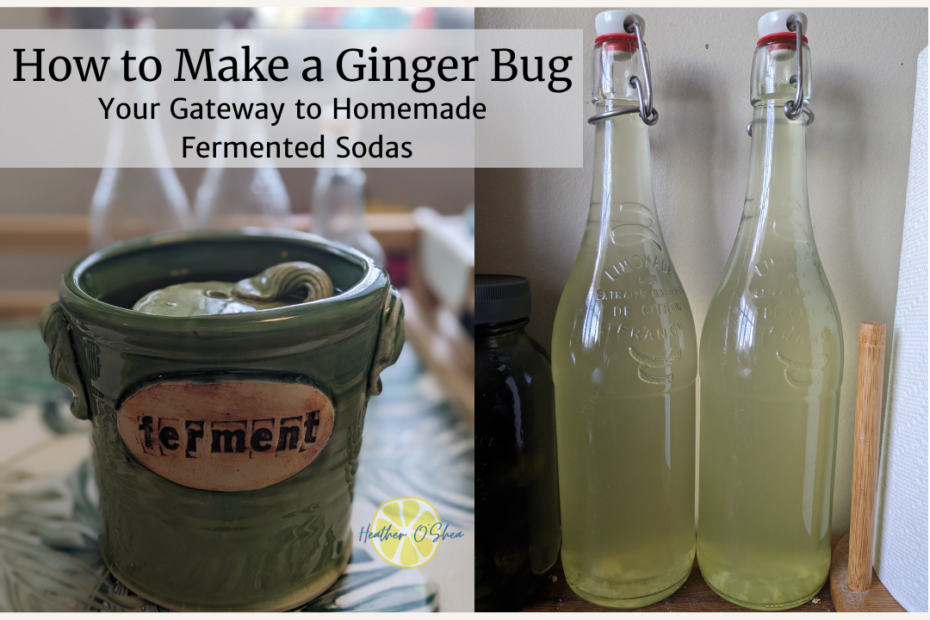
[771, 360]
[624, 359]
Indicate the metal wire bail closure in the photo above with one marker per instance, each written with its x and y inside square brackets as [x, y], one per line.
[794, 109]
[643, 88]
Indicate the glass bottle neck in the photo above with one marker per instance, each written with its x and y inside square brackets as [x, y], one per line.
[622, 167]
[777, 184]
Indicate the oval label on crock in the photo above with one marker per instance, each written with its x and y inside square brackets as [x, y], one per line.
[226, 435]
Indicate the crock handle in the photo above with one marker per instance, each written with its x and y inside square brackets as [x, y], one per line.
[61, 356]
[390, 340]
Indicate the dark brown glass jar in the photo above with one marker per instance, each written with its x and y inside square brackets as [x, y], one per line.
[516, 476]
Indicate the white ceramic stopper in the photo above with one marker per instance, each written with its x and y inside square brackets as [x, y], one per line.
[615, 22]
[777, 22]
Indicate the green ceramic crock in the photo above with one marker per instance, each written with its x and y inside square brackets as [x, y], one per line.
[260, 517]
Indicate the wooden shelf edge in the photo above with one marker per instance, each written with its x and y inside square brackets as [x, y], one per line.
[396, 232]
[24, 304]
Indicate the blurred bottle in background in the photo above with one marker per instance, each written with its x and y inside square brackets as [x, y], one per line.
[236, 197]
[129, 202]
[339, 210]
[338, 202]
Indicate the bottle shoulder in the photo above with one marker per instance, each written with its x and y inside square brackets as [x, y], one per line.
[763, 338]
[607, 331]
[769, 290]
[637, 286]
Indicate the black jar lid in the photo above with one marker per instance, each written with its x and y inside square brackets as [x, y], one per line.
[501, 298]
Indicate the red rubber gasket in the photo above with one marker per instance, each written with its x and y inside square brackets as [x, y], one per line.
[780, 35]
[618, 35]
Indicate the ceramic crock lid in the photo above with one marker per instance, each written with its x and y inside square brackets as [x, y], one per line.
[135, 267]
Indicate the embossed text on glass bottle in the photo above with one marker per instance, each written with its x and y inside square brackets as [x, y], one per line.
[771, 367]
[624, 362]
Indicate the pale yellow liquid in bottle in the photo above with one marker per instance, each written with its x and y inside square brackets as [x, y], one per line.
[771, 367]
[624, 365]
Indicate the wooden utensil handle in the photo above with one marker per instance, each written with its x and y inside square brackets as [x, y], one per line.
[865, 454]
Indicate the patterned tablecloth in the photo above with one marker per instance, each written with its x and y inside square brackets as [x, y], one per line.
[413, 445]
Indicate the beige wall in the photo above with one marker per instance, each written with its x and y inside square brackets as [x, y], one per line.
[530, 222]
